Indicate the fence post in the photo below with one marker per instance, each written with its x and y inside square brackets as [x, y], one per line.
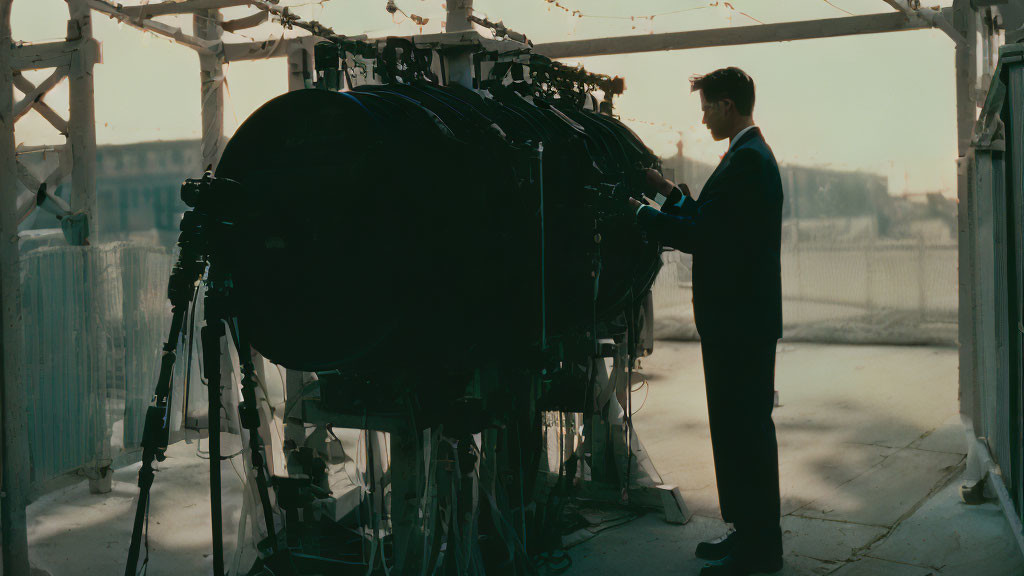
[869, 254]
[922, 278]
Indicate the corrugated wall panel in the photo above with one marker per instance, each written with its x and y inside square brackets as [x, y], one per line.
[94, 322]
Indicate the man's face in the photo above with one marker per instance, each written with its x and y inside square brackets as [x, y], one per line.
[714, 117]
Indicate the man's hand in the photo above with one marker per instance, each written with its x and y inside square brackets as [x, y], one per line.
[657, 184]
[635, 204]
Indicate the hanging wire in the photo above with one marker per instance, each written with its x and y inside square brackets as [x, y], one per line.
[393, 8]
[663, 125]
[845, 11]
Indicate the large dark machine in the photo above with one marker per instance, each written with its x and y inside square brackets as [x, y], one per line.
[451, 263]
[433, 224]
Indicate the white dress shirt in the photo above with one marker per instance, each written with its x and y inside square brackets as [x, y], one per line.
[739, 135]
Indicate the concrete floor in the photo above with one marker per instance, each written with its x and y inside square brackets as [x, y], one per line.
[870, 453]
[870, 450]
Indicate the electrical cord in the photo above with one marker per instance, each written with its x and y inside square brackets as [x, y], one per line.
[647, 389]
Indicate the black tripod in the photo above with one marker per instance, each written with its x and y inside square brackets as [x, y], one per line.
[213, 202]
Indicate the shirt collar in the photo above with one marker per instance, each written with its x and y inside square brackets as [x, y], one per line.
[740, 135]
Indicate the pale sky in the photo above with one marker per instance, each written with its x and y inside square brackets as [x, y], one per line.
[882, 103]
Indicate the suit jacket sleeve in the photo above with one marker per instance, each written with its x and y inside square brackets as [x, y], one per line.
[726, 219]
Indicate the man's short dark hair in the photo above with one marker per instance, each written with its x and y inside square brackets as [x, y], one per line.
[727, 83]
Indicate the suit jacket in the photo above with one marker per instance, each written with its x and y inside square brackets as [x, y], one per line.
[734, 231]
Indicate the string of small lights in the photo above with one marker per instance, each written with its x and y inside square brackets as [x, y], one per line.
[661, 125]
[289, 20]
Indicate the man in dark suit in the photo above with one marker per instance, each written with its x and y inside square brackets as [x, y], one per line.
[734, 231]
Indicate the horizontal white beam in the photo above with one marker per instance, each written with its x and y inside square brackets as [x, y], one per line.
[756, 34]
[50, 54]
[271, 48]
[160, 28]
[181, 7]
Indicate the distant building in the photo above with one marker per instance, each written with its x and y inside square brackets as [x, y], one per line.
[138, 186]
[841, 205]
[137, 189]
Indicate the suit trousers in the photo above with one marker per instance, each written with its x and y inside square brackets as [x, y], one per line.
[740, 379]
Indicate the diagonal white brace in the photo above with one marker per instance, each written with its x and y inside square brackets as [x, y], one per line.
[27, 201]
[35, 93]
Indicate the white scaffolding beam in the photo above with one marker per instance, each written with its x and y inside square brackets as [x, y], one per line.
[181, 7]
[735, 36]
[211, 79]
[82, 121]
[14, 462]
[159, 28]
[52, 54]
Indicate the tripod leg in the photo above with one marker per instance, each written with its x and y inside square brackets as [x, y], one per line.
[211, 335]
[154, 438]
[249, 416]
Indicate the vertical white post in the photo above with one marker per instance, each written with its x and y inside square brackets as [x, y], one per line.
[300, 63]
[459, 12]
[15, 459]
[82, 137]
[211, 78]
[459, 63]
[965, 21]
[82, 124]
[206, 25]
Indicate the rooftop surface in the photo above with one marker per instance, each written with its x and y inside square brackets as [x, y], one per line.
[871, 452]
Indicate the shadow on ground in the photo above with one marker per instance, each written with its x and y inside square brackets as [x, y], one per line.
[870, 448]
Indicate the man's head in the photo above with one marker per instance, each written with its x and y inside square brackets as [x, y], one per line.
[727, 99]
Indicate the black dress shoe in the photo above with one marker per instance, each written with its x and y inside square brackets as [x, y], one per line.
[738, 564]
[717, 549]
